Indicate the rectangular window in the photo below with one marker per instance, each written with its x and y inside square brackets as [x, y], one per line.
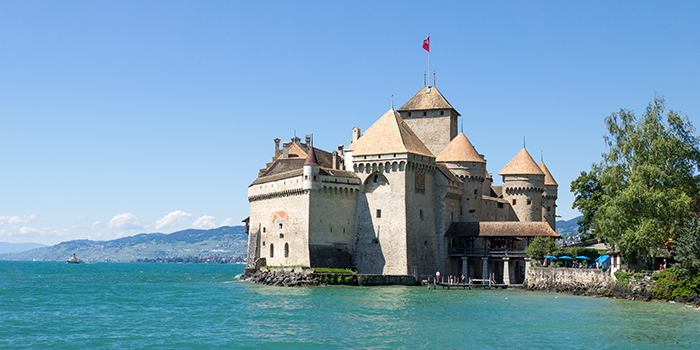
[379, 213]
[421, 214]
[529, 201]
[513, 201]
[500, 205]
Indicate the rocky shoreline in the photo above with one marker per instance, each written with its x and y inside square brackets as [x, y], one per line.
[606, 288]
[285, 277]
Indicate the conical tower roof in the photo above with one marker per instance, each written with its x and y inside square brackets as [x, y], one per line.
[548, 178]
[521, 164]
[311, 157]
[459, 150]
[426, 99]
[389, 134]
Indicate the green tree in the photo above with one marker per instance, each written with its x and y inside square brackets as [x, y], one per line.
[647, 179]
[587, 193]
[540, 246]
[686, 247]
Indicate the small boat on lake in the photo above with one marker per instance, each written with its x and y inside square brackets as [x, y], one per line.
[74, 260]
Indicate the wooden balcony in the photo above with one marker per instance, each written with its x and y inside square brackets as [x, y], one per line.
[484, 252]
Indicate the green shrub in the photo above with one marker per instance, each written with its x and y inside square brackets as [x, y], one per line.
[638, 276]
[331, 270]
[672, 284]
[623, 276]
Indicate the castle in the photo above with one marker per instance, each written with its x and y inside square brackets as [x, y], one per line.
[410, 196]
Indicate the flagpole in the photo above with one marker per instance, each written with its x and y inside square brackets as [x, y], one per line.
[429, 60]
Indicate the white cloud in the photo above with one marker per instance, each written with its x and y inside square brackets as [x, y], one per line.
[229, 222]
[205, 221]
[17, 219]
[171, 219]
[96, 224]
[126, 221]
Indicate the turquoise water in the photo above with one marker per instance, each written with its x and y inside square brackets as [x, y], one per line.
[165, 306]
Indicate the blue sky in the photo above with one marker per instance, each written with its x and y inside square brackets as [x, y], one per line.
[126, 117]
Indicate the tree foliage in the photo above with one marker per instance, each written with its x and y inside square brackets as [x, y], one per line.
[647, 180]
[587, 193]
[686, 247]
[540, 246]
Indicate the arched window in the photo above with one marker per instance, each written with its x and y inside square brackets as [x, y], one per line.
[286, 250]
[272, 250]
[376, 178]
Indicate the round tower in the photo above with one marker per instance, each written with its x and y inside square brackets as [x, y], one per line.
[549, 198]
[468, 165]
[312, 178]
[523, 186]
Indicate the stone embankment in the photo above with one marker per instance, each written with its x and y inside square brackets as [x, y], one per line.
[300, 277]
[287, 277]
[593, 282]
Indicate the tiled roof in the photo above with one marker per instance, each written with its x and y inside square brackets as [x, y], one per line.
[338, 173]
[388, 135]
[448, 174]
[521, 164]
[497, 191]
[548, 178]
[500, 229]
[425, 101]
[459, 150]
[279, 176]
[311, 157]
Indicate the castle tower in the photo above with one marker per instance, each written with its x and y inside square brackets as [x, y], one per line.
[431, 118]
[396, 219]
[312, 179]
[523, 186]
[468, 165]
[549, 198]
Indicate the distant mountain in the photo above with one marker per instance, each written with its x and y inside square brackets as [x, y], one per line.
[18, 247]
[224, 241]
[568, 226]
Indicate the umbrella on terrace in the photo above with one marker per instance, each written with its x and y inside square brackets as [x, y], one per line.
[551, 257]
[583, 257]
[565, 258]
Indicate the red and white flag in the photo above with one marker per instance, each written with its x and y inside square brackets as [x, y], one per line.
[426, 44]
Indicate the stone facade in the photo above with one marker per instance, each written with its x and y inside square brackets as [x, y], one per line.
[390, 203]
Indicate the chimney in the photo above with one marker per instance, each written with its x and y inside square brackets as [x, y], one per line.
[277, 147]
[308, 140]
[356, 134]
[340, 150]
[285, 150]
[334, 164]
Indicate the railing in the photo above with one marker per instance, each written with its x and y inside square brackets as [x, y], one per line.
[493, 252]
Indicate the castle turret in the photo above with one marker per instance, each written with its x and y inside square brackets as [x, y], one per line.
[549, 198]
[312, 179]
[431, 117]
[523, 185]
[468, 165]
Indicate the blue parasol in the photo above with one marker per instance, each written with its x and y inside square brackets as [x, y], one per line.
[551, 257]
[566, 258]
[583, 257]
[603, 258]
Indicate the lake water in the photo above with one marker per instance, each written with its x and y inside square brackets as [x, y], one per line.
[165, 306]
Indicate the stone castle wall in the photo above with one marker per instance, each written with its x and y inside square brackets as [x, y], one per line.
[332, 225]
[282, 219]
[420, 216]
[434, 129]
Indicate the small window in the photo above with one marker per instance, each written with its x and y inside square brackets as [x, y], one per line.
[409, 114]
[281, 235]
[514, 202]
[263, 243]
[548, 208]
[442, 112]
[461, 210]
[306, 177]
[286, 250]
[272, 250]
[376, 178]
[331, 229]
[421, 214]
[529, 201]
[280, 225]
[379, 213]
[264, 229]
[475, 191]
[314, 177]
[500, 205]
[452, 216]
[425, 113]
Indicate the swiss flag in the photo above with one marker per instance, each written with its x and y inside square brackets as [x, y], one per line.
[426, 44]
